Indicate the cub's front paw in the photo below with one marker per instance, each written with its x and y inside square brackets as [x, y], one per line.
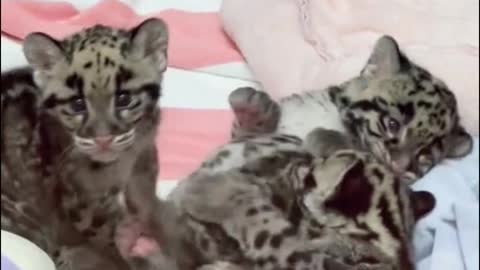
[131, 240]
[255, 112]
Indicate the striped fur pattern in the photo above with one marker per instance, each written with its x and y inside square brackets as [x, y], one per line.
[395, 109]
[76, 127]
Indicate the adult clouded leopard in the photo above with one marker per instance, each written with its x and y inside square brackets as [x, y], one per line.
[394, 108]
[76, 127]
[289, 209]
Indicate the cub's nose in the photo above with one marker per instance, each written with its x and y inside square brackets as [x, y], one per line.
[104, 141]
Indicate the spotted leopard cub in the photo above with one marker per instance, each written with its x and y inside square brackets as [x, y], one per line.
[77, 126]
[291, 210]
[356, 211]
[394, 108]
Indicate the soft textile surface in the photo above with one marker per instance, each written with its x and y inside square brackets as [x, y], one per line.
[295, 45]
[449, 237]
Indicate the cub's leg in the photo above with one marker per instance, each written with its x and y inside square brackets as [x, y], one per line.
[322, 142]
[255, 112]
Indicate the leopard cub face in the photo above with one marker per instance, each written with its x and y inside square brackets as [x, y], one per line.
[401, 112]
[101, 84]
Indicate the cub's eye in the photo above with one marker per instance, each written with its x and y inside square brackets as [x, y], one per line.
[392, 125]
[78, 105]
[123, 99]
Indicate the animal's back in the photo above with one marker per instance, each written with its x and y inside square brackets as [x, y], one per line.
[26, 194]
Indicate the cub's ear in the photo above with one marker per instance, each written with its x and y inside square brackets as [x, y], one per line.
[422, 203]
[386, 59]
[459, 143]
[353, 194]
[42, 51]
[150, 40]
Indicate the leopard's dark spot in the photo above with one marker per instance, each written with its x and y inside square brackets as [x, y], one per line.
[123, 75]
[108, 62]
[344, 101]
[251, 212]
[74, 215]
[424, 104]
[87, 65]
[442, 125]
[279, 202]
[387, 219]
[312, 234]
[298, 256]
[289, 231]
[261, 238]
[75, 82]
[276, 241]
[378, 174]
[98, 221]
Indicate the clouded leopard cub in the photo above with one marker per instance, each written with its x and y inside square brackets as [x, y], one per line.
[394, 108]
[76, 127]
[289, 209]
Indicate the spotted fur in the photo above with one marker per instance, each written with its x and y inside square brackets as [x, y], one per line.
[397, 110]
[77, 126]
[287, 209]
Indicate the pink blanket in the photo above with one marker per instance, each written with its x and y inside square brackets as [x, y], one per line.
[296, 45]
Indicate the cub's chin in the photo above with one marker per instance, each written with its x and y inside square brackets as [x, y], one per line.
[104, 156]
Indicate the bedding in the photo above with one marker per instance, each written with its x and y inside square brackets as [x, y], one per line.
[197, 116]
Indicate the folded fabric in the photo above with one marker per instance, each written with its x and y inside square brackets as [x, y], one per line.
[297, 45]
[197, 39]
[468, 224]
[450, 227]
[452, 243]
[446, 254]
